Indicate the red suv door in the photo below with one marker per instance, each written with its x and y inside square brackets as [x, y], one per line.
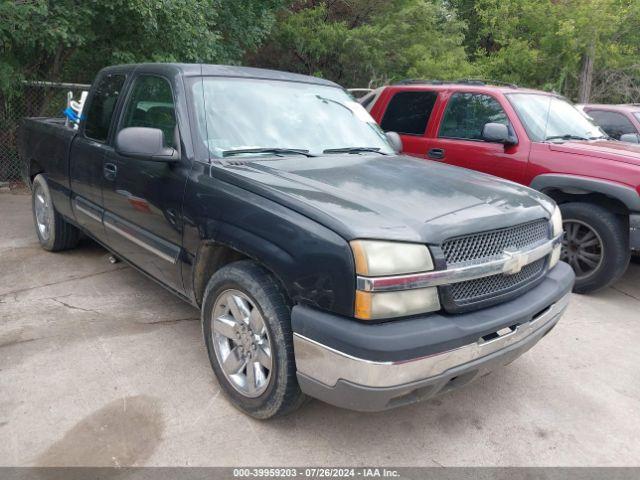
[458, 138]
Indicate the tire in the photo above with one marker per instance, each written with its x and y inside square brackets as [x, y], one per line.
[603, 237]
[255, 293]
[54, 232]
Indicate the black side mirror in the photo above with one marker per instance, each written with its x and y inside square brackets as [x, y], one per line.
[144, 143]
[630, 138]
[497, 133]
[395, 141]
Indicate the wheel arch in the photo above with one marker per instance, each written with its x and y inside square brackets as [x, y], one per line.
[213, 255]
[34, 169]
[572, 188]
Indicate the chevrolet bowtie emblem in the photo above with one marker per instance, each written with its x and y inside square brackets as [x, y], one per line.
[515, 260]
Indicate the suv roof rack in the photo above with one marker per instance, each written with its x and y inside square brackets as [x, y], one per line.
[418, 81]
[462, 81]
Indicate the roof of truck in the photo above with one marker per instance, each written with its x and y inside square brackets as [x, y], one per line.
[197, 69]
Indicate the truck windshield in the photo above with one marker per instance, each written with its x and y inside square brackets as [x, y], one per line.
[249, 117]
[549, 118]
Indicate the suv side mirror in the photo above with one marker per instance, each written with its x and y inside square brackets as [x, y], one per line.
[395, 141]
[630, 138]
[497, 133]
[144, 143]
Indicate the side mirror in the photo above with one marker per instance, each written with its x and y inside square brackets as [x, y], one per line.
[497, 133]
[630, 138]
[144, 143]
[395, 141]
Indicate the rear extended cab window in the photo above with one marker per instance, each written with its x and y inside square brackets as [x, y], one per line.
[408, 113]
[103, 104]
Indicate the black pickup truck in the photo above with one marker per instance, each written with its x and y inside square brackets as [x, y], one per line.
[324, 264]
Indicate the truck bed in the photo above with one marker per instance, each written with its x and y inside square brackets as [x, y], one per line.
[44, 145]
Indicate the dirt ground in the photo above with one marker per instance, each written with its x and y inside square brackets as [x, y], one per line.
[100, 366]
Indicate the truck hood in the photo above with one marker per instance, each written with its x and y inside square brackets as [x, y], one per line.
[388, 197]
[606, 149]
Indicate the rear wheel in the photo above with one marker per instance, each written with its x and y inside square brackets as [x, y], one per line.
[595, 244]
[247, 330]
[54, 232]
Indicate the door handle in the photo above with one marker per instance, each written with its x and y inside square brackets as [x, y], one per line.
[110, 170]
[436, 153]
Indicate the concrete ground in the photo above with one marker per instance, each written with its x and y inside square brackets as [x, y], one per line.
[100, 366]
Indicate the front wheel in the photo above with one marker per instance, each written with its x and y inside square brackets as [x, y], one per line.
[595, 244]
[247, 331]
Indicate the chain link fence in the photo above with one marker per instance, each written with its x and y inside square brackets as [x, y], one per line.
[31, 99]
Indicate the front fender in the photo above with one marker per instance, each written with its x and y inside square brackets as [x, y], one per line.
[314, 264]
[583, 185]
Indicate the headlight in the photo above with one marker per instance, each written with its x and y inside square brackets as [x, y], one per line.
[374, 258]
[556, 229]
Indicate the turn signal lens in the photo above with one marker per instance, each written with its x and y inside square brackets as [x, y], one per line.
[380, 305]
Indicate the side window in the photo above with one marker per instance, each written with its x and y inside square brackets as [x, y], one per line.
[102, 106]
[409, 112]
[151, 105]
[467, 113]
[615, 124]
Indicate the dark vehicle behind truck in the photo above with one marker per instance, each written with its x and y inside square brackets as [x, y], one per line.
[324, 264]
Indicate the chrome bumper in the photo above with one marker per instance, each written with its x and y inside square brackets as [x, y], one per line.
[329, 366]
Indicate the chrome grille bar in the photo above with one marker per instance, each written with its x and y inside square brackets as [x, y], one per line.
[508, 263]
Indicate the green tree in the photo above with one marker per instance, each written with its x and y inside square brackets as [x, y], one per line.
[585, 49]
[71, 39]
[362, 43]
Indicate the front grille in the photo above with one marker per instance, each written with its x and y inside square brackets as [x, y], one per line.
[491, 244]
[477, 290]
[485, 246]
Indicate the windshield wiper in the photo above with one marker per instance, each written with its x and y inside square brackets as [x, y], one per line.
[354, 150]
[275, 150]
[565, 137]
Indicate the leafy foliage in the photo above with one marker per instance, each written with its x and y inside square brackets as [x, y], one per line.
[72, 39]
[364, 43]
[536, 43]
[552, 44]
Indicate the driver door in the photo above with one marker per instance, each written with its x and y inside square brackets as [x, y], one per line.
[459, 140]
[143, 198]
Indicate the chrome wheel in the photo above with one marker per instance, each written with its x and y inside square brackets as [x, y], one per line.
[43, 211]
[241, 343]
[581, 248]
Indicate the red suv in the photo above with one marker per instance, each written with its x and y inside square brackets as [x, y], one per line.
[537, 139]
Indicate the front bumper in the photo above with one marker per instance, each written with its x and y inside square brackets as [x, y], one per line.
[377, 367]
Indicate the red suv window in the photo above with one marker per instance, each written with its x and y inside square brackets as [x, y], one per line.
[408, 112]
[467, 114]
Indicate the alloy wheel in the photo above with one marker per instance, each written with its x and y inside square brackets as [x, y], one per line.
[43, 211]
[241, 343]
[582, 248]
